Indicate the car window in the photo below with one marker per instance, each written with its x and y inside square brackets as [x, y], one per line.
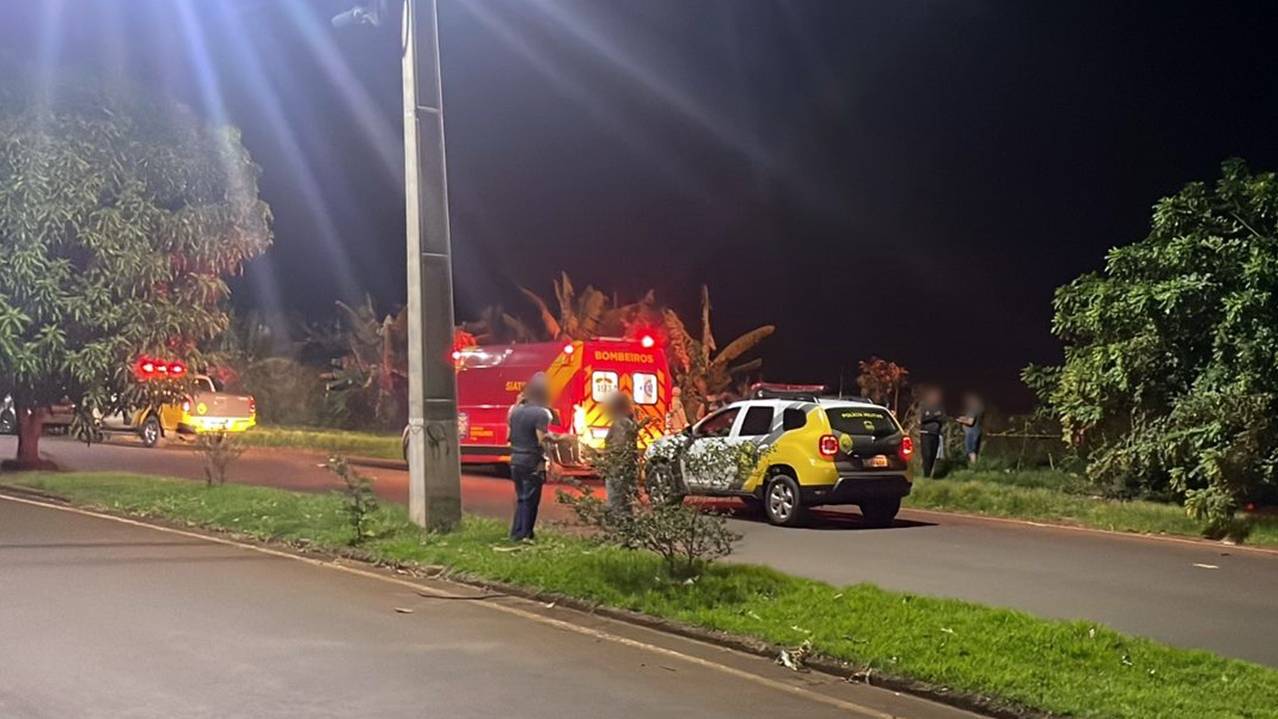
[873, 421]
[757, 422]
[793, 419]
[719, 424]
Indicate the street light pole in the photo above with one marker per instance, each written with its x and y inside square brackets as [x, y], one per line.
[434, 471]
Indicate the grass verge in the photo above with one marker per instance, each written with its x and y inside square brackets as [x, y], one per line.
[1069, 668]
[361, 444]
[1058, 497]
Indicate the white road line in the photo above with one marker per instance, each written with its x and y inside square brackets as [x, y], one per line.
[516, 611]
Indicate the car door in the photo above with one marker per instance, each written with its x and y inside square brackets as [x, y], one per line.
[711, 438]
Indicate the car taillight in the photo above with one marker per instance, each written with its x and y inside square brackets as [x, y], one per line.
[906, 450]
[829, 446]
[252, 406]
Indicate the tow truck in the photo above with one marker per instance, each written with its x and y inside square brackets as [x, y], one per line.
[207, 409]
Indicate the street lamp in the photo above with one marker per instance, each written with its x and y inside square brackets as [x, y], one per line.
[434, 469]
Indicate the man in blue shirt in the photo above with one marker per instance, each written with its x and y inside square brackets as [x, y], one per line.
[529, 433]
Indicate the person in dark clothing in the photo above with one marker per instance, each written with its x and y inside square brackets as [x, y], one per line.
[621, 453]
[529, 432]
[931, 421]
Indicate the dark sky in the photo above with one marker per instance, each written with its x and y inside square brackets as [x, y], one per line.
[909, 179]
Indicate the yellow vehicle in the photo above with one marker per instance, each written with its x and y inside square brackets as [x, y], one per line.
[207, 409]
[812, 451]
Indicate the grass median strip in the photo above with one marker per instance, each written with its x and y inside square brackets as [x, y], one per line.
[1069, 668]
[362, 444]
[1060, 498]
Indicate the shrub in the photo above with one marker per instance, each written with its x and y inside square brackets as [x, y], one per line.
[219, 452]
[358, 500]
[1169, 382]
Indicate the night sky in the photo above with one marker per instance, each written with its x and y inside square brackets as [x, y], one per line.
[906, 179]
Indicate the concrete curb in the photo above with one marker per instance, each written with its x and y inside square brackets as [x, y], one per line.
[377, 462]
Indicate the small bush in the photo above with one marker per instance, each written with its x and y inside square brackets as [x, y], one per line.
[219, 451]
[686, 539]
[359, 502]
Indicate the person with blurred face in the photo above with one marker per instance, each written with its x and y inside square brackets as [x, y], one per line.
[973, 415]
[621, 446]
[931, 422]
[529, 432]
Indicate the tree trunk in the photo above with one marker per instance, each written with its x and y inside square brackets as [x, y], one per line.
[30, 427]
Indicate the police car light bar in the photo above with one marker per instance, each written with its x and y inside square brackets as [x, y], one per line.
[769, 390]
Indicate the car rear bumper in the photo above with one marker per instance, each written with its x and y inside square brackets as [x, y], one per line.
[858, 487]
[198, 425]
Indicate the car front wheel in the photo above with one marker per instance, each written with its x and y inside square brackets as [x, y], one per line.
[782, 501]
[663, 484]
[150, 431]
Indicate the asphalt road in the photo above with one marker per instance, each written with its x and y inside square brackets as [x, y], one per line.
[1190, 594]
[107, 619]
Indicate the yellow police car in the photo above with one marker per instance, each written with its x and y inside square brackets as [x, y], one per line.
[809, 451]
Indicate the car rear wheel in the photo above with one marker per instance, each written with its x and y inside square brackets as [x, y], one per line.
[150, 432]
[880, 512]
[782, 501]
[663, 484]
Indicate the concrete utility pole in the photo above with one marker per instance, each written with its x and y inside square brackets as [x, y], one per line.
[434, 471]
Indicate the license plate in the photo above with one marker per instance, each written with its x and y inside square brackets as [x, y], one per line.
[879, 460]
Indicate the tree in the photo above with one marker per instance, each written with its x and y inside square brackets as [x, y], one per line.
[881, 381]
[120, 215]
[591, 313]
[1170, 379]
[701, 369]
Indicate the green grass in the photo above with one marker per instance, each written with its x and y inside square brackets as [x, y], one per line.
[1074, 668]
[1062, 498]
[361, 444]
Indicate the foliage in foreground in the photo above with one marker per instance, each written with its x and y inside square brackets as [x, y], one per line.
[358, 500]
[120, 215]
[219, 451]
[1169, 377]
[1070, 668]
[686, 539]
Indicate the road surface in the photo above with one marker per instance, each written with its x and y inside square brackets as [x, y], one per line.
[107, 619]
[1199, 595]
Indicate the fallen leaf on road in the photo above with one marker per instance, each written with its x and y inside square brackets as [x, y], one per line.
[1205, 566]
[793, 659]
[403, 610]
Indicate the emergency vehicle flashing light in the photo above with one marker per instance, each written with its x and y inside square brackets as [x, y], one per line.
[148, 368]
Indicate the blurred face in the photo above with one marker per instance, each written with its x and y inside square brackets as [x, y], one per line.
[932, 396]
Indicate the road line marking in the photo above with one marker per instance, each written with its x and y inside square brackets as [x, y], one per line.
[1205, 566]
[516, 611]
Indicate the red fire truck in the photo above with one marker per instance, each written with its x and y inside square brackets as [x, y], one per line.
[581, 374]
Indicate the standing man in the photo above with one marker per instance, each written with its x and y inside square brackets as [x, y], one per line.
[529, 433]
[931, 420]
[973, 414]
[621, 454]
